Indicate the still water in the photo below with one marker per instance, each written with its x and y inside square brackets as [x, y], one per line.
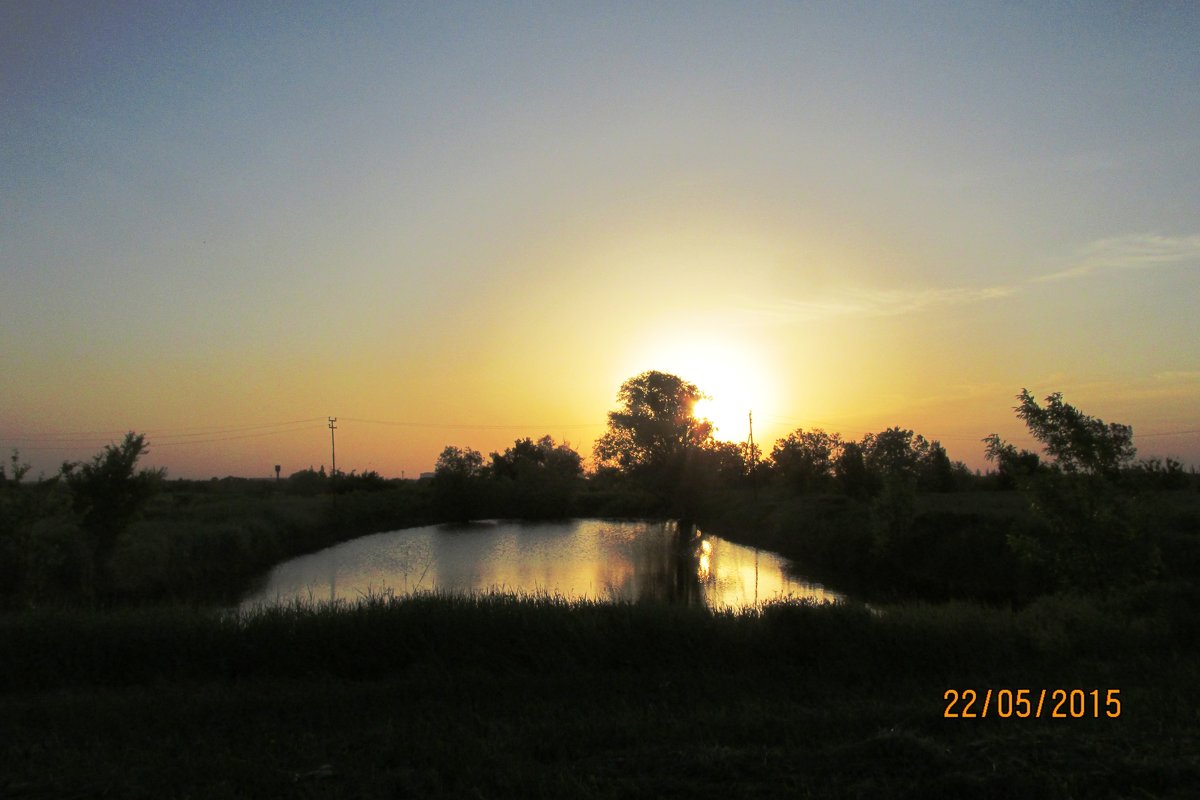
[583, 559]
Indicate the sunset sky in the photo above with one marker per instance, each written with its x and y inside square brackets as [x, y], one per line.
[221, 223]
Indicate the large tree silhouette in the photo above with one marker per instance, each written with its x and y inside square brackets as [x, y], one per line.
[654, 438]
[1077, 442]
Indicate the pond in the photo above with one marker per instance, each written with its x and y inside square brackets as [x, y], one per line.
[586, 559]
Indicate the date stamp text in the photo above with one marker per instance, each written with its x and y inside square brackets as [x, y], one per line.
[1035, 703]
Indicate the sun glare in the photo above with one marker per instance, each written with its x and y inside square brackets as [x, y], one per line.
[730, 418]
[733, 383]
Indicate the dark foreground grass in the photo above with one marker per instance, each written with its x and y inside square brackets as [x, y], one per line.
[500, 697]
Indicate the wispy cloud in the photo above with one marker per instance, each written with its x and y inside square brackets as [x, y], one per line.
[1178, 376]
[875, 303]
[1139, 251]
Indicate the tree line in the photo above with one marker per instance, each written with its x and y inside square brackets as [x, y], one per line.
[656, 459]
[656, 449]
[1084, 524]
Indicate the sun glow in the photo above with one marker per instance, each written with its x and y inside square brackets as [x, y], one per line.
[730, 418]
[733, 383]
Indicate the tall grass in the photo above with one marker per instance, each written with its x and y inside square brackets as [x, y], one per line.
[465, 696]
[378, 635]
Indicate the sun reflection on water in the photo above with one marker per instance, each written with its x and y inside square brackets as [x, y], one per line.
[705, 566]
[580, 559]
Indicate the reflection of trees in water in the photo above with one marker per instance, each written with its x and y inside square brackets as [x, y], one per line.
[668, 567]
[617, 561]
[463, 556]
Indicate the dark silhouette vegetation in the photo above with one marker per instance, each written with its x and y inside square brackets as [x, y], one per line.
[501, 696]
[530, 480]
[105, 532]
[887, 516]
[891, 517]
[1072, 567]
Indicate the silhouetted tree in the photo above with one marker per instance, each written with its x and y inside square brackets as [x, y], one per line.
[727, 462]
[537, 479]
[702, 471]
[894, 454]
[936, 473]
[354, 481]
[655, 425]
[850, 471]
[14, 520]
[1013, 466]
[527, 456]
[655, 438]
[463, 462]
[307, 482]
[1077, 442]
[109, 491]
[458, 484]
[804, 460]
[18, 469]
[43, 550]
[1085, 533]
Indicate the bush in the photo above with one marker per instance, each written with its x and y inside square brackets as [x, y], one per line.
[60, 560]
[1085, 535]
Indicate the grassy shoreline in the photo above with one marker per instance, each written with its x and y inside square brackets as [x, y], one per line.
[501, 696]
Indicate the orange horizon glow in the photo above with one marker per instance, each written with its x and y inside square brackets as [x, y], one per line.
[407, 448]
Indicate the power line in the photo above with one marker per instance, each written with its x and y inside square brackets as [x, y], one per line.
[221, 430]
[156, 443]
[156, 433]
[231, 438]
[477, 426]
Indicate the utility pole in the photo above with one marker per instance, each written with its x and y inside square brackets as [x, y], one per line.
[333, 445]
[750, 454]
[751, 463]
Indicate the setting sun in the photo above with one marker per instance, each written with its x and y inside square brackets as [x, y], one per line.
[730, 417]
[729, 375]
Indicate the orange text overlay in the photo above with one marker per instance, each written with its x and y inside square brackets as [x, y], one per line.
[1036, 703]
